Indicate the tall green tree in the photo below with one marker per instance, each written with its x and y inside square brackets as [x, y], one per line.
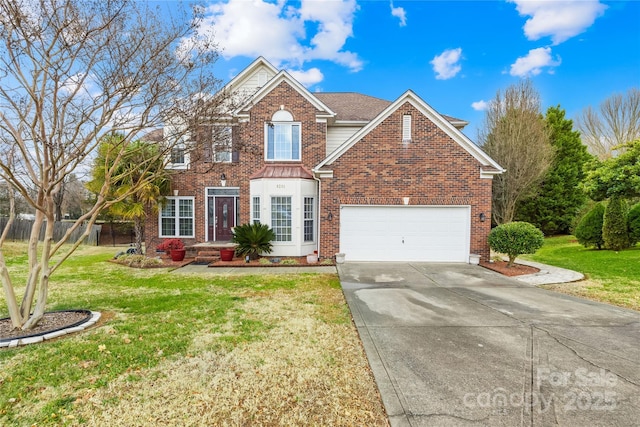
[616, 176]
[615, 231]
[618, 179]
[589, 229]
[560, 195]
[139, 180]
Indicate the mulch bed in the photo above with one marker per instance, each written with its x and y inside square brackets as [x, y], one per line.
[515, 270]
[50, 322]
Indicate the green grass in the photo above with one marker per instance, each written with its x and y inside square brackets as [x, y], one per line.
[612, 277]
[151, 316]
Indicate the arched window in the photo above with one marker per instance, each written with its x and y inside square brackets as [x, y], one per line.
[282, 137]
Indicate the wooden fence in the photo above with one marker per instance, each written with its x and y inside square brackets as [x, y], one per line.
[21, 230]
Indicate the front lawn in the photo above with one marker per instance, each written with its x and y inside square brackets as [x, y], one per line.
[185, 350]
[612, 277]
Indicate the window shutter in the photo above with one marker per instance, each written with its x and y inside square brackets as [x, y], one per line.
[208, 155]
[406, 128]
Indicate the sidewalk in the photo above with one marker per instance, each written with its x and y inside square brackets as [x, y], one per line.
[227, 271]
[548, 274]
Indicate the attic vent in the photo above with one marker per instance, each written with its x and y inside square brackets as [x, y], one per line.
[406, 128]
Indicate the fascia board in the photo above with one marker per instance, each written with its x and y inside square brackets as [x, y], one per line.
[247, 71]
[283, 76]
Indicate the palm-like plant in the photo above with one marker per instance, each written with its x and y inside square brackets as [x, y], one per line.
[138, 180]
[253, 239]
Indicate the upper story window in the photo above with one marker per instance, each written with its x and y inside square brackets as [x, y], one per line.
[177, 155]
[222, 144]
[282, 137]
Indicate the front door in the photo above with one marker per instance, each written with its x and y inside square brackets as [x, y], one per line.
[225, 217]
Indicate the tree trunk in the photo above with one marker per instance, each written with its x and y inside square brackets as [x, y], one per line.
[137, 231]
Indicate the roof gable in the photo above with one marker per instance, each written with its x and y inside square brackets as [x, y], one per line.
[283, 76]
[440, 121]
[238, 81]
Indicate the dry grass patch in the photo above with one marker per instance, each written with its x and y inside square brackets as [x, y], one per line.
[308, 368]
[596, 290]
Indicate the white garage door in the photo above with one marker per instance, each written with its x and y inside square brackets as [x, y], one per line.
[405, 233]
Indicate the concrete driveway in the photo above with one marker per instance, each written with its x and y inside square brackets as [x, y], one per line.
[459, 345]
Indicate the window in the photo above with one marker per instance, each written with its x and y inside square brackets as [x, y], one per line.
[176, 217]
[177, 155]
[406, 128]
[222, 143]
[308, 219]
[281, 218]
[283, 137]
[255, 210]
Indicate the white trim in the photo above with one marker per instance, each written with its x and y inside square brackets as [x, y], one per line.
[283, 76]
[177, 217]
[319, 174]
[442, 123]
[464, 251]
[260, 61]
[488, 174]
[266, 141]
[236, 198]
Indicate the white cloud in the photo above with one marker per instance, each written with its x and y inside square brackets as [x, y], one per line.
[308, 77]
[399, 13]
[481, 105]
[80, 85]
[446, 64]
[559, 19]
[284, 34]
[534, 62]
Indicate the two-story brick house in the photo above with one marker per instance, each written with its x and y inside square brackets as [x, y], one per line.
[332, 172]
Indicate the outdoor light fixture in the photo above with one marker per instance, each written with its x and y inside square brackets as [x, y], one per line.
[482, 217]
[223, 180]
[330, 216]
[175, 193]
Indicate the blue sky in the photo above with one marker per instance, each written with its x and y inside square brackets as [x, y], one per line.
[454, 54]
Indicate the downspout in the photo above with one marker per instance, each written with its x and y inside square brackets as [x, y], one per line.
[319, 210]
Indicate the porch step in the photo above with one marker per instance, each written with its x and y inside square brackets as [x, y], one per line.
[209, 259]
[209, 253]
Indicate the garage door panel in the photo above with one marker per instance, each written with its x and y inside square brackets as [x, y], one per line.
[405, 233]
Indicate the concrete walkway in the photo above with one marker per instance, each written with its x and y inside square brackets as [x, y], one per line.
[548, 274]
[231, 271]
[460, 345]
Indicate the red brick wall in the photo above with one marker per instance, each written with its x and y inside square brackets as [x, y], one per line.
[248, 138]
[380, 169]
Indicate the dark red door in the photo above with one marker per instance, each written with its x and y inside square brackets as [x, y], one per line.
[225, 217]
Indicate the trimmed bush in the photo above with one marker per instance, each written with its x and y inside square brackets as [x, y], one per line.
[633, 223]
[253, 239]
[615, 232]
[589, 229]
[516, 238]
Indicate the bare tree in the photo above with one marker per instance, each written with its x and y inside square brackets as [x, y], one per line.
[516, 136]
[72, 71]
[614, 123]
